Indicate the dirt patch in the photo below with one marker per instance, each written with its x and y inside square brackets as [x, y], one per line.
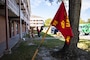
[44, 54]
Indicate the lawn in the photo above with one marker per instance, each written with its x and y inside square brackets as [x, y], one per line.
[84, 44]
[25, 51]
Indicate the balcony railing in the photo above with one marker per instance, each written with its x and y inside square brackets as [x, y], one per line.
[25, 6]
[15, 8]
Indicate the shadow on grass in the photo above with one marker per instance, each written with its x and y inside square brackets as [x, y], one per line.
[25, 51]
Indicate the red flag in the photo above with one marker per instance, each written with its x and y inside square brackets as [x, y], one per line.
[61, 22]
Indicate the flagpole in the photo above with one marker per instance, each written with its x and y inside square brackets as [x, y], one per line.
[40, 44]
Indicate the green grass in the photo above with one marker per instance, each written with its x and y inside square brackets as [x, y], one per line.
[25, 52]
[26, 36]
[84, 44]
[87, 42]
[48, 35]
[51, 43]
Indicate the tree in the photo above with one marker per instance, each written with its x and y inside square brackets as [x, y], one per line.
[71, 51]
[74, 16]
[48, 21]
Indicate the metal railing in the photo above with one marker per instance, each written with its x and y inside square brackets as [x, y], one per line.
[13, 6]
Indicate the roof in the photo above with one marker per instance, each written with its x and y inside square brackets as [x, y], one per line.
[34, 17]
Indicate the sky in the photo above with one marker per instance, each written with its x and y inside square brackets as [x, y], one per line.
[47, 10]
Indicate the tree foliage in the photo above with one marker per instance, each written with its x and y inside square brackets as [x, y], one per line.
[53, 0]
[88, 21]
[81, 21]
[48, 21]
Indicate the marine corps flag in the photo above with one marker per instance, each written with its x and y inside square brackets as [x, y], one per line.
[61, 22]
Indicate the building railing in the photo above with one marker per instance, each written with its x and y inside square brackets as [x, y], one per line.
[13, 6]
[27, 15]
[25, 6]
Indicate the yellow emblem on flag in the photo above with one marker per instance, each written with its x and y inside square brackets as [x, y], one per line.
[55, 23]
[67, 23]
[68, 39]
[63, 24]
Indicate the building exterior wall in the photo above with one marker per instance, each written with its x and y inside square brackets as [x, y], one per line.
[13, 15]
[2, 29]
[36, 21]
[23, 28]
[18, 28]
[15, 28]
[12, 29]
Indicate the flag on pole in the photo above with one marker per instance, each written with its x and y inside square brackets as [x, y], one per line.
[61, 22]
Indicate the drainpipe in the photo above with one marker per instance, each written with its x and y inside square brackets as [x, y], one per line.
[7, 50]
[20, 19]
[6, 22]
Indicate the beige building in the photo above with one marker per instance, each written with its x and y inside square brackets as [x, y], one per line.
[36, 21]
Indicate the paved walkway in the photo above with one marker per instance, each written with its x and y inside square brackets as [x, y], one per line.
[53, 37]
[11, 43]
[86, 37]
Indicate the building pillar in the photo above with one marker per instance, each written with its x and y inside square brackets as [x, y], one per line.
[20, 19]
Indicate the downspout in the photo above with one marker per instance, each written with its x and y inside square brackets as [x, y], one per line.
[7, 49]
[6, 22]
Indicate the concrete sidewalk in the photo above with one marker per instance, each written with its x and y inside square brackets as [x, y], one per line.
[11, 44]
[46, 38]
